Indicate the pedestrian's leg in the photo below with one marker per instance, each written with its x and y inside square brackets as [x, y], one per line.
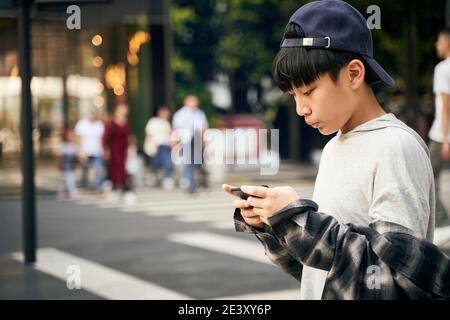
[98, 167]
[442, 217]
[156, 161]
[167, 162]
[84, 173]
[70, 181]
[191, 177]
[168, 182]
[62, 187]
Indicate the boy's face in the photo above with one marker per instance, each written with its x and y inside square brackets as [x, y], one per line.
[326, 105]
[442, 45]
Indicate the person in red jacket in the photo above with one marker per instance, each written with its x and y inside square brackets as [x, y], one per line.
[115, 143]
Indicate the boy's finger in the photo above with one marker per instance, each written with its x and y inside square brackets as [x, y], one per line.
[256, 191]
[255, 202]
[227, 188]
[248, 213]
[253, 221]
[240, 204]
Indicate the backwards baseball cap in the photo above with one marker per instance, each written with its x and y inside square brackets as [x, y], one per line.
[334, 24]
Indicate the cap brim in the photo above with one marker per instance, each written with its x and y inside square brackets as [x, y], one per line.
[378, 73]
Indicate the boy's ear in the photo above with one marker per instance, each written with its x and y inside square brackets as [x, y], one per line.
[356, 73]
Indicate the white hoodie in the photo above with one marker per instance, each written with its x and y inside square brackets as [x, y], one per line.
[380, 170]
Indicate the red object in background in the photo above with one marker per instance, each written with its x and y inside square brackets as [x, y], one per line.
[243, 121]
[115, 138]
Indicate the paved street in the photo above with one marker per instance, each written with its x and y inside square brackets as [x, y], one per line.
[167, 245]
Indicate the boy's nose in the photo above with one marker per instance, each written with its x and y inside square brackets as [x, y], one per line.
[303, 110]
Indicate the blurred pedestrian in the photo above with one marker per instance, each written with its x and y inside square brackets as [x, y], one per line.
[115, 143]
[157, 146]
[90, 130]
[439, 133]
[192, 122]
[67, 160]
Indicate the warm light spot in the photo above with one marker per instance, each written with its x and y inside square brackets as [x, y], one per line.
[14, 71]
[132, 58]
[118, 90]
[97, 62]
[100, 87]
[97, 40]
[99, 101]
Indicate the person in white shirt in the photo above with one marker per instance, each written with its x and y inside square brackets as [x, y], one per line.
[192, 122]
[439, 133]
[90, 131]
[157, 145]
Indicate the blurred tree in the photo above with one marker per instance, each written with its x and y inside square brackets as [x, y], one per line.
[195, 37]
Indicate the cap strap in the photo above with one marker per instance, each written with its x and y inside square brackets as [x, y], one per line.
[306, 42]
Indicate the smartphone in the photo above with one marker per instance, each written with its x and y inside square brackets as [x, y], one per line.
[241, 194]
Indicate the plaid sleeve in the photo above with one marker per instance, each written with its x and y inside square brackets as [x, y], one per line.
[274, 251]
[382, 261]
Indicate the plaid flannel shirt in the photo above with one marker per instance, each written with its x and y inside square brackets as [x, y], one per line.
[382, 261]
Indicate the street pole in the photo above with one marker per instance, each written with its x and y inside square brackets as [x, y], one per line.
[28, 188]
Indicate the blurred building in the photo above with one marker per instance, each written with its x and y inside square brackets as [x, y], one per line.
[120, 54]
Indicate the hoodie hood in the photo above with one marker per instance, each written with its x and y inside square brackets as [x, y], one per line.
[385, 121]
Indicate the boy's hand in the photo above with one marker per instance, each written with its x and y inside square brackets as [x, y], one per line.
[265, 201]
[247, 213]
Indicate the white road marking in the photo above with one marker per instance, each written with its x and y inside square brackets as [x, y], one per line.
[98, 279]
[229, 245]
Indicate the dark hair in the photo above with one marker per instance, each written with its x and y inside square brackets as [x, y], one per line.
[446, 31]
[295, 67]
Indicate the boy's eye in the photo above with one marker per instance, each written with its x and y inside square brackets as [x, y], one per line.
[307, 93]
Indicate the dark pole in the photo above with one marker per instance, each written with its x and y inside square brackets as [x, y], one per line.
[28, 190]
[447, 13]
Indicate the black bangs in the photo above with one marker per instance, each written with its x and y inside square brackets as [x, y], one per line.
[296, 67]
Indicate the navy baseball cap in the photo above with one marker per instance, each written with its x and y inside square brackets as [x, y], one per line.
[334, 24]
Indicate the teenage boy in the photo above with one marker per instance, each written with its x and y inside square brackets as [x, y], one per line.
[375, 173]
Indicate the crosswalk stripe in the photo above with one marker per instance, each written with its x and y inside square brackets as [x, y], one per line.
[98, 279]
[224, 225]
[172, 205]
[205, 216]
[180, 208]
[224, 244]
